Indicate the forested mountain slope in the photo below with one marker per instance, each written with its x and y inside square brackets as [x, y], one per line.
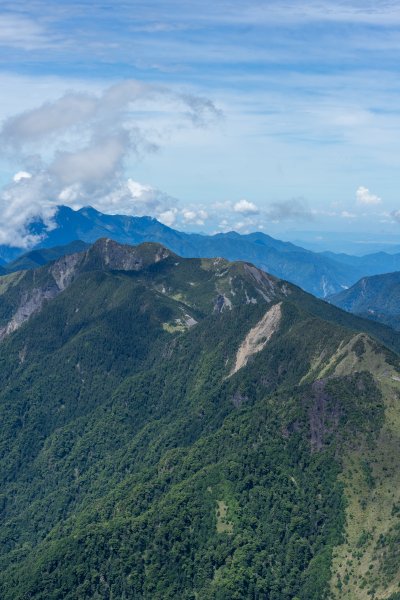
[192, 428]
[376, 298]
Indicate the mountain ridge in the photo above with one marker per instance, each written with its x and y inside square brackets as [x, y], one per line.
[105, 253]
[192, 428]
[376, 297]
[316, 273]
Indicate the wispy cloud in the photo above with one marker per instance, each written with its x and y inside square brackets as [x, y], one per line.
[304, 114]
[73, 151]
[295, 209]
[17, 31]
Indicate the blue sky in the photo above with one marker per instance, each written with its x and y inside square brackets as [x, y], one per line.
[211, 116]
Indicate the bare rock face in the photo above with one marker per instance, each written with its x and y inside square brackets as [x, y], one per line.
[58, 276]
[31, 302]
[119, 257]
[64, 270]
[222, 303]
[258, 336]
[267, 285]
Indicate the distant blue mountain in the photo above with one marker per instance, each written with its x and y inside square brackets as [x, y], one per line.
[41, 256]
[376, 298]
[321, 274]
[371, 264]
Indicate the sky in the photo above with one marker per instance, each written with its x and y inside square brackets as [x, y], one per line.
[279, 116]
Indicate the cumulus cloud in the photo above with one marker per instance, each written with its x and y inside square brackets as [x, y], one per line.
[168, 217]
[22, 202]
[254, 218]
[74, 151]
[295, 209]
[194, 217]
[366, 198]
[245, 207]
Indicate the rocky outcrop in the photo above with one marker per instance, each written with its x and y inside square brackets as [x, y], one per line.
[118, 257]
[266, 285]
[58, 276]
[258, 336]
[31, 302]
[64, 270]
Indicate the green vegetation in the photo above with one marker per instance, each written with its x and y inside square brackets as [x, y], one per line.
[133, 466]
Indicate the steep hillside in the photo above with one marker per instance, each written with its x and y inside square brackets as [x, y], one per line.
[313, 272]
[41, 256]
[192, 428]
[376, 298]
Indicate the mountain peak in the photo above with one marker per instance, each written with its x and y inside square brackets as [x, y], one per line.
[319, 274]
[122, 257]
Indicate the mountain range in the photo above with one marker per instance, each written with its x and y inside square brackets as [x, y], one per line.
[192, 428]
[376, 298]
[321, 274]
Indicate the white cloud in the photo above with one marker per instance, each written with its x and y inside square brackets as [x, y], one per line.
[245, 207]
[168, 217]
[84, 114]
[74, 149]
[128, 197]
[143, 193]
[224, 226]
[97, 162]
[345, 214]
[50, 118]
[21, 203]
[189, 215]
[366, 198]
[194, 217]
[21, 175]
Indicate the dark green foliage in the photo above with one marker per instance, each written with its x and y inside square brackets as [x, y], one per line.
[120, 441]
[389, 546]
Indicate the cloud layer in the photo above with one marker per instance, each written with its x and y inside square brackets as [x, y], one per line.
[74, 151]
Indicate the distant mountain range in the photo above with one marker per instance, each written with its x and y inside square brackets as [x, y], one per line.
[376, 298]
[192, 428]
[322, 274]
[41, 256]
[371, 264]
